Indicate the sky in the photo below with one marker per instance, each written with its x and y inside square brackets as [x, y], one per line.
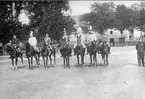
[79, 7]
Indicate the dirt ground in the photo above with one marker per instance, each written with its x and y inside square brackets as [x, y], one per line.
[122, 79]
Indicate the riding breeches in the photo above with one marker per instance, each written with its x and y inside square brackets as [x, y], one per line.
[140, 58]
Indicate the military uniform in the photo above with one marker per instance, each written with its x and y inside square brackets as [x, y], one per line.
[15, 44]
[48, 41]
[140, 47]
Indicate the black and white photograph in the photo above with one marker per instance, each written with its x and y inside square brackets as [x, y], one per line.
[72, 49]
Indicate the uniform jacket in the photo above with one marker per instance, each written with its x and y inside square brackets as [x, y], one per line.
[140, 47]
[47, 40]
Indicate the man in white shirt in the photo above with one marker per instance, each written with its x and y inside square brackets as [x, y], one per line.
[33, 42]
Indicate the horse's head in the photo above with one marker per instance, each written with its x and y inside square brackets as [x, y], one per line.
[8, 48]
[78, 40]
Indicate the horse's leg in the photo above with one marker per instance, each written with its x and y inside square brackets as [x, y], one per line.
[47, 61]
[107, 59]
[93, 59]
[64, 61]
[36, 58]
[54, 58]
[21, 58]
[90, 59]
[44, 62]
[68, 62]
[16, 61]
[78, 59]
[104, 60]
[82, 58]
[12, 63]
[96, 58]
[50, 60]
[31, 61]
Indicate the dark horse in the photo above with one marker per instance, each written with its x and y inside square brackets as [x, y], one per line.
[104, 48]
[92, 49]
[14, 54]
[79, 50]
[46, 52]
[65, 51]
[30, 53]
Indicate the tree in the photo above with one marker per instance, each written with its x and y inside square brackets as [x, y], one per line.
[138, 15]
[101, 16]
[45, 17]
[10, 11]
[48, 17]
[123, 15]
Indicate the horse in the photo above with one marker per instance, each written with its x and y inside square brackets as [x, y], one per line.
[79, 50]
[46, 52]
[30, 53]
[104, 49]
[92, 50]
[14, 54]
[65, 51]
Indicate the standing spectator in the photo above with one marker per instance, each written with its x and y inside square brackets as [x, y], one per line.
[140, 47]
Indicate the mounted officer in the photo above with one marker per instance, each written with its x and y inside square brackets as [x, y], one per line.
[48, 41]
[140, 47]
[33, 42]
[79, 31]
[15, 43]
[65, 42]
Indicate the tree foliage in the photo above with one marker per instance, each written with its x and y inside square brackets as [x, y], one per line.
[101, 16]
[108, 15]
[9, 23]
[45, 17]
[48, 17]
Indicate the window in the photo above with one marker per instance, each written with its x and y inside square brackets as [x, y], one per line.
[111, 32]
[130, 36]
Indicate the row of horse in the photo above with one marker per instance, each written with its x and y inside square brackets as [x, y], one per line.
[92, 49]
[65, 50]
